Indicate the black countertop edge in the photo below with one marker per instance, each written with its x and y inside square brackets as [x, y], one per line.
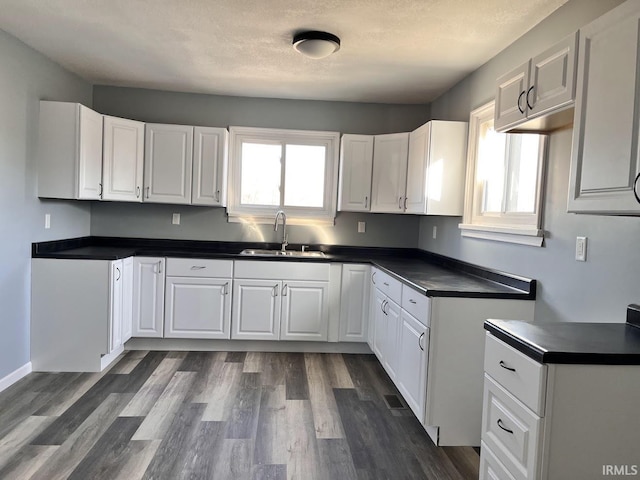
[633, 315]
[52, 246]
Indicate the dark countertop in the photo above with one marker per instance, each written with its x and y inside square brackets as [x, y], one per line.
[431, 274]
[574, 343]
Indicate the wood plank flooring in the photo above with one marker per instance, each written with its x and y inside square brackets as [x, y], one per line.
[235, 415]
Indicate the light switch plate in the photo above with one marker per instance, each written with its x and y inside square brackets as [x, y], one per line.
[176, 219]
[362, 227]
[47, 220]
[435, 231]
[581, 249]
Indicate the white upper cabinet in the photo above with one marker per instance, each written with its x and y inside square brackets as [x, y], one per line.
[436, 169]
[69, 151]
[168, 162]
[389, 173]
[541, 86]
[123, 159]
[604, 158]
[210, 161]
[356, 166]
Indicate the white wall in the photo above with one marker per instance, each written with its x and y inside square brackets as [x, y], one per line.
[597, 290]
[26, 77]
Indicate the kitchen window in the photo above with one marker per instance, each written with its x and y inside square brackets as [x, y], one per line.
[291, 170]
[503, 198]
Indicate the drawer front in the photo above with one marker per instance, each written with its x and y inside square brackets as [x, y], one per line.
[416, 303]
[282, 270]
[525, 378]
[387, 284]
[199, 267]
[511, 430]
[490, 466]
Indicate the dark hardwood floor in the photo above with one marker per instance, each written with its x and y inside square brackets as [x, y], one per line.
[200, 415]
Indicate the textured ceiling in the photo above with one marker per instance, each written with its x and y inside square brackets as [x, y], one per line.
[393, 51]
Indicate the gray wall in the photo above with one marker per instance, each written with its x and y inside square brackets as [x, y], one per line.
[26, 77]
[597, 290]
[201, 223]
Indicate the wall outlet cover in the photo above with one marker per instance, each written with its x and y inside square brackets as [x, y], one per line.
[47, 220]
[581, 249]
[362, 227]
[175, 219]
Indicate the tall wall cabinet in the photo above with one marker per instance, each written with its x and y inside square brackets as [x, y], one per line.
[605, 160]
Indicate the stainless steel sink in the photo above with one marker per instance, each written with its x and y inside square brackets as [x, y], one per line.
[279, 253]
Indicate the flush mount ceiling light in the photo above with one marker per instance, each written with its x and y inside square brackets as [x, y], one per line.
[316, 44]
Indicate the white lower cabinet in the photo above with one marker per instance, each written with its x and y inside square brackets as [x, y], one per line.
[284, 301]
[413, 355]
[127, 299]
[115, 306]
[354, 303]
[198, 298]
[148, 297]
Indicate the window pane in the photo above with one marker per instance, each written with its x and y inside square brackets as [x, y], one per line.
[304, 176]
[491, 166]
[261, 170]
[524, 153]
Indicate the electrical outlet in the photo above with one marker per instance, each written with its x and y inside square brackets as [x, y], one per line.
[47, 220]
[581, 249]
[435, 231]
[176, 219]
[362, 227]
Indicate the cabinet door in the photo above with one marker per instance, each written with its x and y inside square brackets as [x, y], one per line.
[379, 324]
[418, 159]
[148, 296]
[256, 309]
[305, 311]
[413, 354]
[123, 159]
[90, 150]
[356, 166]
[511, 101]
[168, 159]
[552, 78]
[354, 303]
[389, 172]
[127, 299]
[604, 155]
[391, 347]
[115, 306]
[197, 307]
[210, 166]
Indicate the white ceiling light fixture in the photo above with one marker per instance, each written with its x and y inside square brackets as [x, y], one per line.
[316, 44]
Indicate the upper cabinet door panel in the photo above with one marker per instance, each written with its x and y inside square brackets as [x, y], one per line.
[168, 163]
[123, 159]
[356, 165]
[389, 172]
[90, 164]
[552, 77]
[511, 92]
[605, 137]
[210, 166]
[418, 158]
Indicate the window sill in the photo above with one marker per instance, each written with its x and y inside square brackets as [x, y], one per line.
[518, 235]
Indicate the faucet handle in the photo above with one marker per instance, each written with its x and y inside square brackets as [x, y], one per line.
[304, 247]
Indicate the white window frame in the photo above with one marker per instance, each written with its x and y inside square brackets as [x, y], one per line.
[295, 215]
[520, 228]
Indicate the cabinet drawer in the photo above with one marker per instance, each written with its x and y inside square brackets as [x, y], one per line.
[387, 285]
[416, 303]
[511, 431]
[490, 466]
[520, 375]
[198, 267]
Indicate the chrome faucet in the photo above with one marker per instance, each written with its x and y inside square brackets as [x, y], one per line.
[284, 228]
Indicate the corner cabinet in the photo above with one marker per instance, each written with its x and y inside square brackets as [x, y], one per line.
[280, 301]
[69, 151]
[436, 169]
[605, 160]
[123, 159]
[210, 163]
[148, 296]
[543, 85]
[356, 167]
[198, 298]
[168, 163]
[389, 173]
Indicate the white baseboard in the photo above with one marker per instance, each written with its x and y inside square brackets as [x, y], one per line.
[14, 376]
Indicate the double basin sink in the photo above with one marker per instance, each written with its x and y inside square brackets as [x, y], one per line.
[280, 253]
